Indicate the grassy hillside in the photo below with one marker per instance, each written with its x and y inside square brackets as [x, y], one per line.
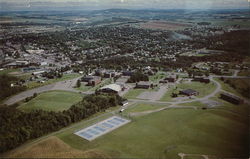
[53, 147]
[211, 132]
[52, 101]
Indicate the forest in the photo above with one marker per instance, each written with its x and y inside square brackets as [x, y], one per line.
[137, 77]
[9, 85]
[17, 126]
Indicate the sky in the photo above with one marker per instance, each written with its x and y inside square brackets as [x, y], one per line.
[8, 5]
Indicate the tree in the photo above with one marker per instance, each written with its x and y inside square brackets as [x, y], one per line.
[78, 83]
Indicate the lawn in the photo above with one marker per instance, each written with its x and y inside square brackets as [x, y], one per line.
[167, 97]
[7, 71]
[193, 104]
[157, 77]
[141, 107]
[52, 101]
[133, 93]
[35, 84]
[203, 88]
[83, 88]
[210, 132]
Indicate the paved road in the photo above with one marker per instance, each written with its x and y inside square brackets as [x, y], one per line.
[64, 85]
[69, 84]
[217, 90]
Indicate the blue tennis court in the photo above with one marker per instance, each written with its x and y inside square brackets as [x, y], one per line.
[101, 128]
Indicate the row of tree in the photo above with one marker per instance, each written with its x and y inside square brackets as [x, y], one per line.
[17, 126]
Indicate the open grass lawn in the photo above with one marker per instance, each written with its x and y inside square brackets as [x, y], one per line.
[52, 101]
[193, 104]
[167, 97]
[202, 88]
[141, 107]
[83, 88]
[165, 134]
[7, 71]
[157, 77]
[133, 93]
[35, 84]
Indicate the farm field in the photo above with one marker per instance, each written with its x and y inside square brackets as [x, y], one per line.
[52, 101]
[164, 25]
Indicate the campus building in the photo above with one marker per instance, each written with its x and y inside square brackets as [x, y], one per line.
[231, 98]
[112, 88]
[144, 84]
[189, 92]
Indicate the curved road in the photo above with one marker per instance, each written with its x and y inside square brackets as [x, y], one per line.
[63, 85]
[69, 84]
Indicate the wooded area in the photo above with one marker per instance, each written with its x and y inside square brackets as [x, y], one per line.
[17, 127]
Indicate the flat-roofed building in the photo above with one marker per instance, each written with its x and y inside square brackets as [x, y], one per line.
[94, 81]
[202, 79]
[189, 92]
[144, 84]
[171, 78]
[231, 98]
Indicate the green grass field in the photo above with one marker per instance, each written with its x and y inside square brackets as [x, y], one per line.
[157, 77]
[209, 132]
[7, 71]
[167, 97]
[83, 88]
[202, 88]
[141, 107]
[52, 101]
[133, 93]
[194, 104]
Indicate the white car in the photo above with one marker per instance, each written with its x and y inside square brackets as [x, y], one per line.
[122, 110]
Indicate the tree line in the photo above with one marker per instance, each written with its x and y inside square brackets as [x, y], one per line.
[17, 126]
[137, 77]
[9, 86]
